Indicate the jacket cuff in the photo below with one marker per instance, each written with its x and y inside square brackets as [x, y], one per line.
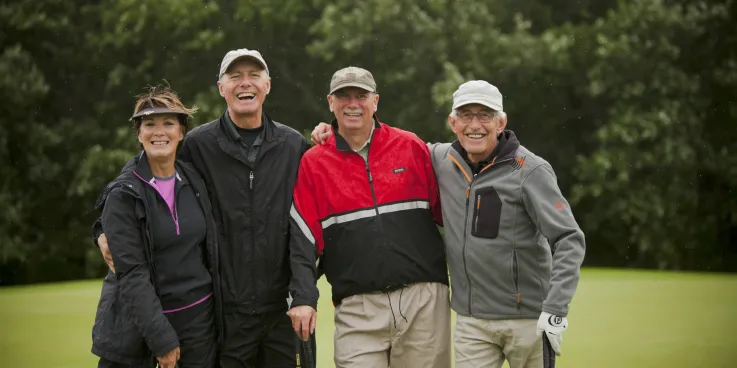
[164, 348]
[299, 301]
[554, 311]
[96, 231]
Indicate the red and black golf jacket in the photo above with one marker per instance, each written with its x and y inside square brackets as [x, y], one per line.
[372, 223]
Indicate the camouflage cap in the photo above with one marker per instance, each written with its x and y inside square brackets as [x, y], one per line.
[352, 77]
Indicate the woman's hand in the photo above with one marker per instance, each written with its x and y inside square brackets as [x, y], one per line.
[169, 360]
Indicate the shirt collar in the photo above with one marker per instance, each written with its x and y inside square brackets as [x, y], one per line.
[233, 133]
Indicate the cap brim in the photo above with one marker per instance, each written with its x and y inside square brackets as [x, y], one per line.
[259, 62]
[492, 106]
[352, 84]
[156, 111]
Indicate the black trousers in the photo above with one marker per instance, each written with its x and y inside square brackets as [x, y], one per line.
[195, 328]
[264, 340]
[104, 363]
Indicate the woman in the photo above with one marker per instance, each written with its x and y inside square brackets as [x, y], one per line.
[159, 300]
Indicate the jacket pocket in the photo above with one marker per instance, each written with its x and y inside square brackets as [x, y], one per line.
[515, 279]
[487, 212]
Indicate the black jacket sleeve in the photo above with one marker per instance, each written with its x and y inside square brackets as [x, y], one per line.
[185, 151]
[97, 225]
[96, 230]
[303, 258]
[126, 243]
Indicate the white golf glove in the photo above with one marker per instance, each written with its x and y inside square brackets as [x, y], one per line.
[553, 326]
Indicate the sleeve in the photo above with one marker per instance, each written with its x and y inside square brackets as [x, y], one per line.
[185, 152]
[96, 230]
[432, 186]
[306, 242]
[132, 270]
[552, 215]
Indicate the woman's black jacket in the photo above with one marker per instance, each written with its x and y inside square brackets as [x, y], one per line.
[129, 325]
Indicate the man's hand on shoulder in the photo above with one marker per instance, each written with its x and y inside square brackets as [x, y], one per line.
[553, 326]
[321, 133]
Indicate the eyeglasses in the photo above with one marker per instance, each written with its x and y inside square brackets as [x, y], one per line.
[484, 116]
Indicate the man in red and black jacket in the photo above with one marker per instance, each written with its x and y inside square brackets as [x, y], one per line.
[367, 202]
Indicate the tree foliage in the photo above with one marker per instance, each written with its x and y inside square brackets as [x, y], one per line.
[632, 102]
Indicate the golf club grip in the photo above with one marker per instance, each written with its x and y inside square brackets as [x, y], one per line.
[307, 349]
[548, 353]
[303, 352]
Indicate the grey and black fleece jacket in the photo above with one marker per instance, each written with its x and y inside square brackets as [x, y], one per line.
[513, 246]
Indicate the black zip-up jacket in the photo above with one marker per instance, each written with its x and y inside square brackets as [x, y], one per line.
[251, 203]
[130, 326]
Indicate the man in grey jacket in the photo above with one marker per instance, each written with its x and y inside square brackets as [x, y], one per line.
[514, 249]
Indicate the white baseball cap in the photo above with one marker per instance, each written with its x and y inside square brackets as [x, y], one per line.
[234, 55]
[478, 92]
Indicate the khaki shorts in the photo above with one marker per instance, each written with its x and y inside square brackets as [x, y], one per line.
[405, 328]
[486, 343]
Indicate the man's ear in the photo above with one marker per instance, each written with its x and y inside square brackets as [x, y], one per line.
[268, 86]
[502, 124]
[376, 102]
[220, 89]
[452, 123]
[330, 103]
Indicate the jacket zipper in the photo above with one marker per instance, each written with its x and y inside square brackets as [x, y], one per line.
[371, 181]
[373, 192]
[174, 214]
[253, 228]
[465, 233]
[515, 277]
[478, 214]
[465, 236]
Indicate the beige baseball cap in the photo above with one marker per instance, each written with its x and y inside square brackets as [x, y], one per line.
[352, 77]
[478, 92]
[234, 55]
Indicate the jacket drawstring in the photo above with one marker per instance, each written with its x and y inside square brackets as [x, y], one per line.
[394, 318]
[391, 309]
[400, 305]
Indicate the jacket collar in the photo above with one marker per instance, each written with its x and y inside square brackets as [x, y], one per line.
[340, 142]
[143, 170]
[505, 149]
[228, 125]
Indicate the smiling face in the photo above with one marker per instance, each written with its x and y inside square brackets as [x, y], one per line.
[477, 128]
[160, 135]
[353, 107]
[244, 86]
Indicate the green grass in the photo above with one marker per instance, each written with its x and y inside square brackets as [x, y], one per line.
[618, 319]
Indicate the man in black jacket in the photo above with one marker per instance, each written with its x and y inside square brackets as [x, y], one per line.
[249, 164]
